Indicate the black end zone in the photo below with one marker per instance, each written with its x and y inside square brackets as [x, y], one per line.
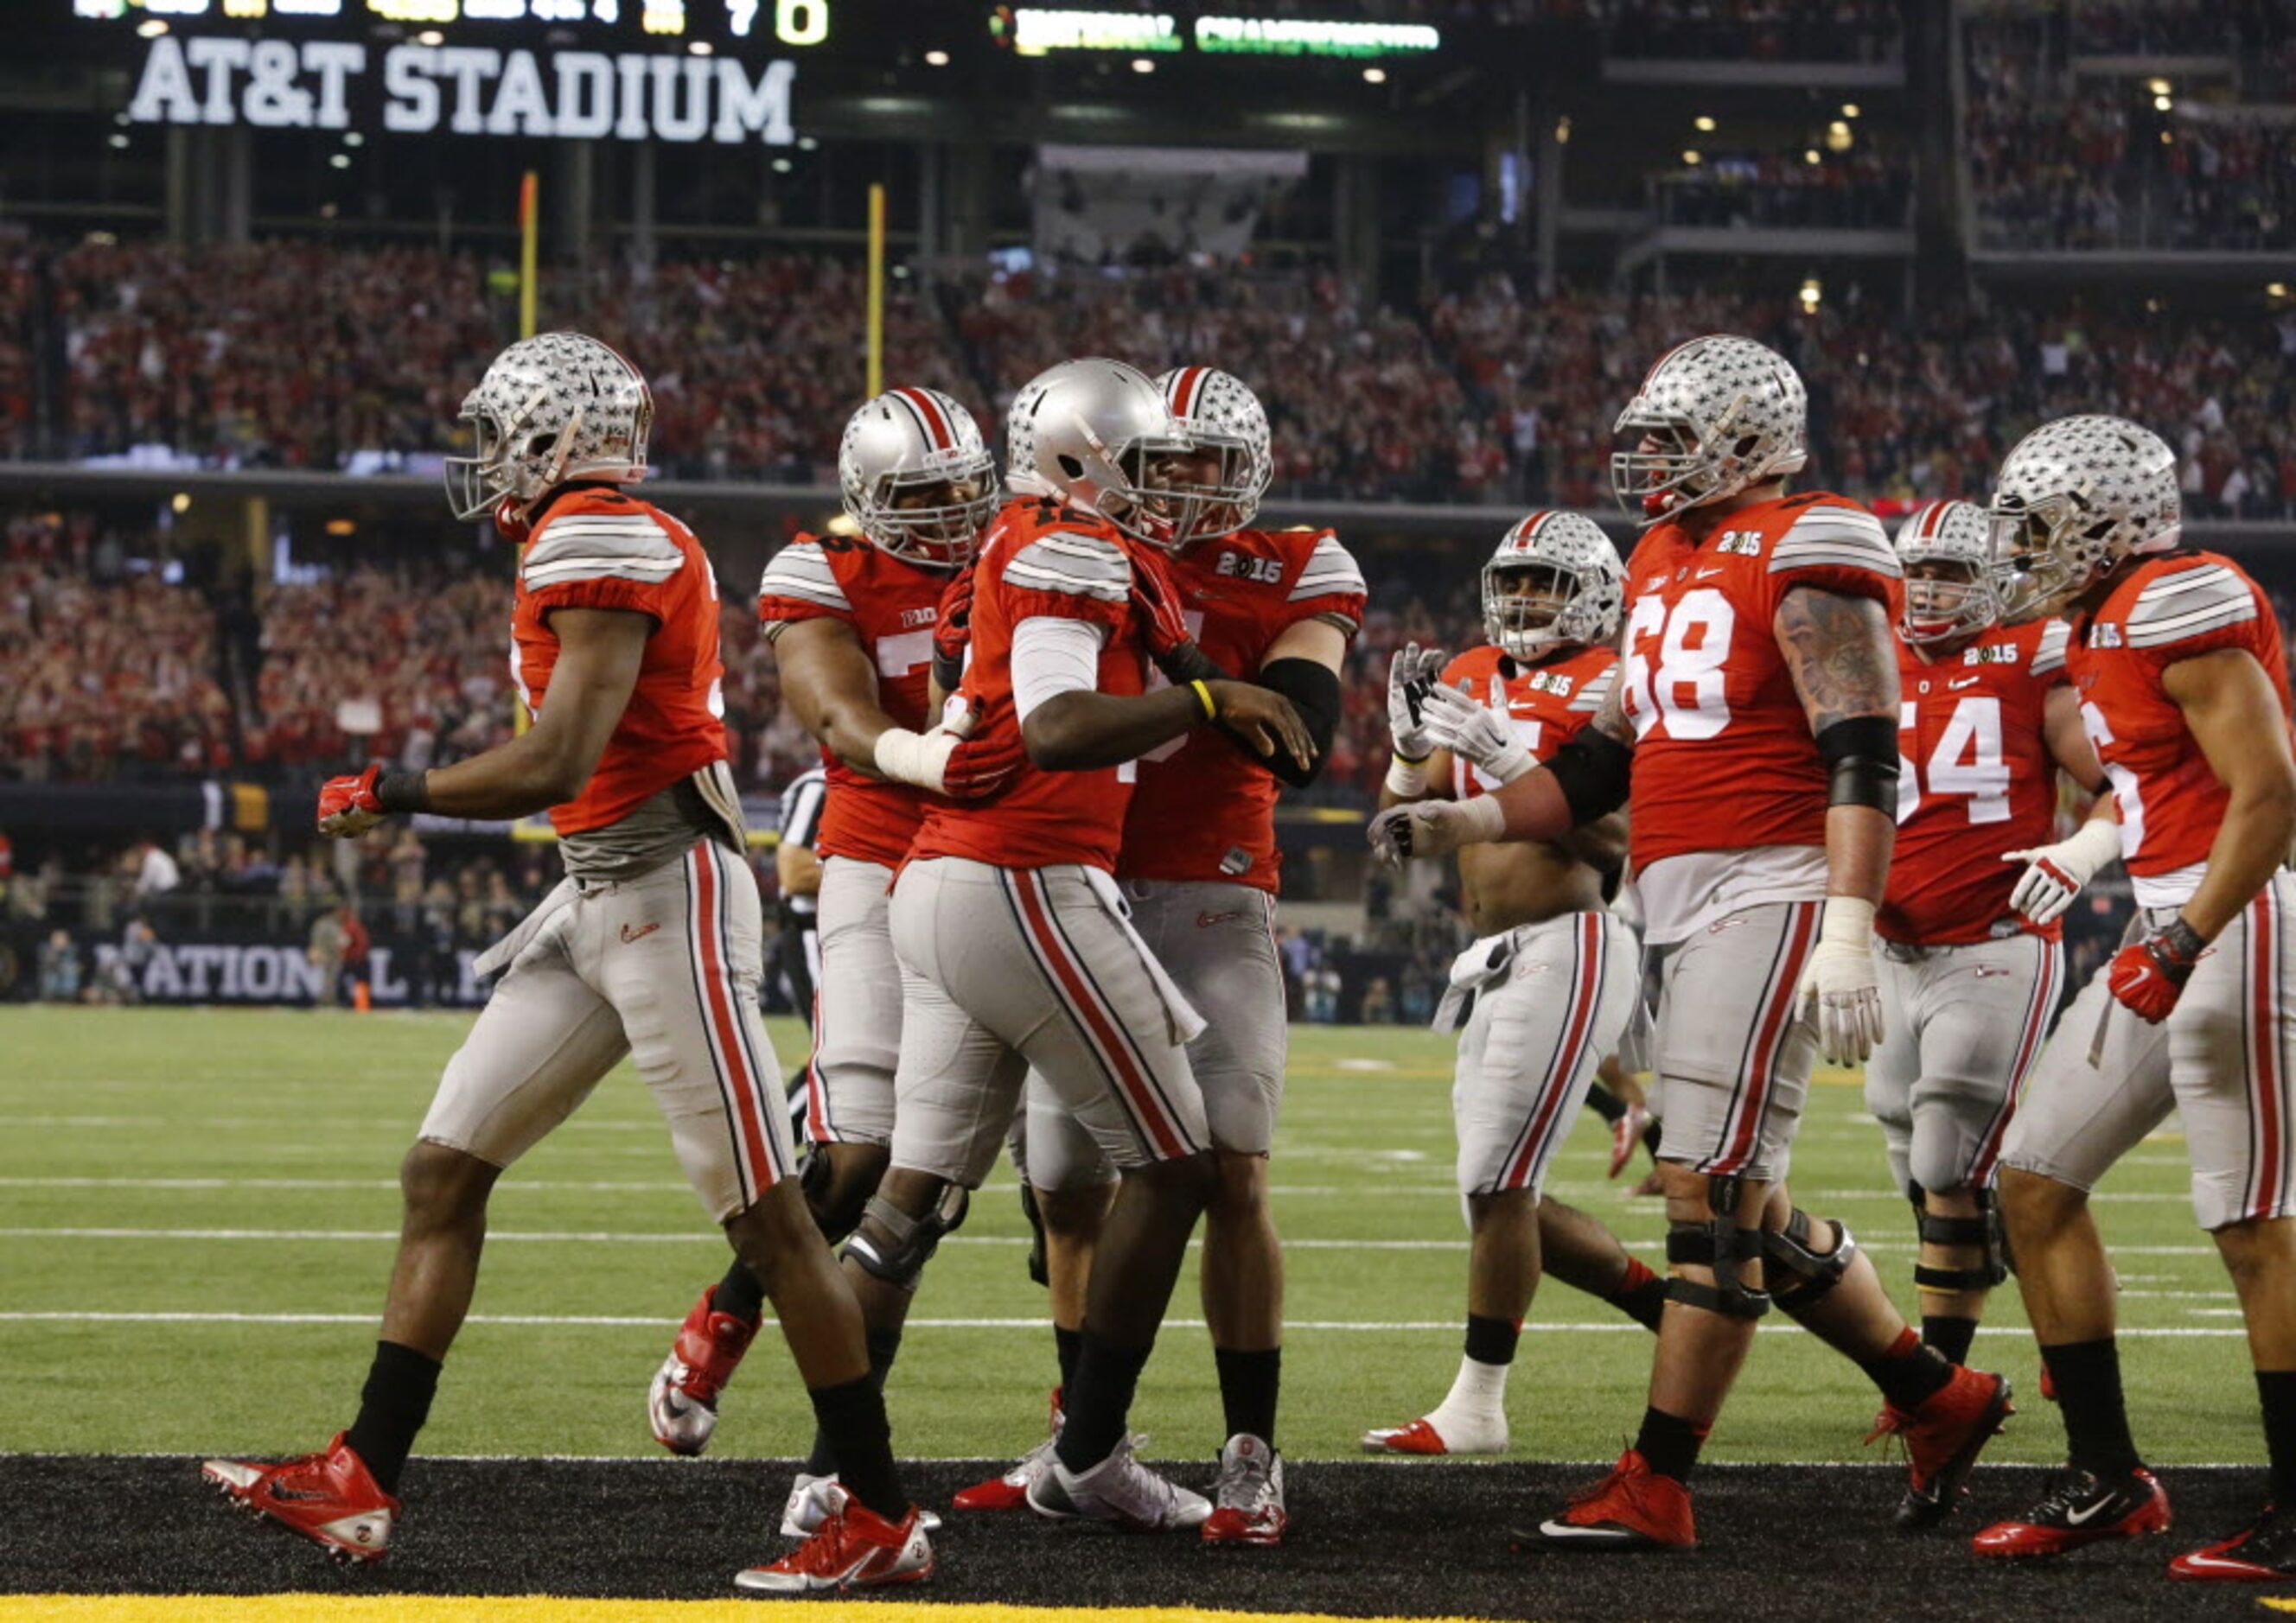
[1780, 1543]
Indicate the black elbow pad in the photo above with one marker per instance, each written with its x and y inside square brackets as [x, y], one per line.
[1592, 770]
[1314, 690]
[1861, 759]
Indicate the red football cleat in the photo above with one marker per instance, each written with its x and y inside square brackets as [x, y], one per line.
[2263, 1553]
[1009, 1492]
[1632, 1511]
[682, 1402]
[1627, 1137]
[1943, 1436]
[2080, 1510]
[855, 1549]
[329, 1498]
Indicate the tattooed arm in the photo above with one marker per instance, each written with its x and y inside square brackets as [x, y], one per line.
[1838, 652]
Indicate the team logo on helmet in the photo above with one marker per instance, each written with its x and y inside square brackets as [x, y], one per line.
[1714, 416]
[1555, 582]
[916, 478]
[2075, 498]
[1948, 589]
[1084, 433]
[555, 407]
[1220, 493]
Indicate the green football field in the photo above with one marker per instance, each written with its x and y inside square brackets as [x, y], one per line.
[197, 1210]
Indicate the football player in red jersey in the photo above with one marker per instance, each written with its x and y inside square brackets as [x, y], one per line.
[852, 622]
[1199, 870]
[1015, 947]
[2184, 689]
[1758, 664]
[1549, 985]
[650, 947]
[1969, 984]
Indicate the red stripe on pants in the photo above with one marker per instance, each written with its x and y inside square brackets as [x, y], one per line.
[1588, 972]
[735, 1074]
[2264, 993]
[1769, 1033]
[1097, 1027]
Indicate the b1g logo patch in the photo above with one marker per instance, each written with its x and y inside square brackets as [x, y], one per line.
[1267, 571]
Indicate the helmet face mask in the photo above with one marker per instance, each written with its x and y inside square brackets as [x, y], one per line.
[1555, 583]
[1714, 416]
[916, 478]
[555, 407]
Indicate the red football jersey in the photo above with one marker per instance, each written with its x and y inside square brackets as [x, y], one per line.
[2167, 608]
[599, 548]
[1041, 559]
[1975, 780]
[1548, 702]
[1204, 810]
[1724, 759]
[892, 604]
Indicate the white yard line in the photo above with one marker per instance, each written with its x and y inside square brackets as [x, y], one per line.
[612, 1322]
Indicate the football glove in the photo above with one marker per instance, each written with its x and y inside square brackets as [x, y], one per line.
[1841, 991]
[1434, 828]
[2147, 976]
[947, 759]
[1164, 623]
[1477, 734]
[952, 630]
[1411, 675]
[2057, 873]
[348, 807]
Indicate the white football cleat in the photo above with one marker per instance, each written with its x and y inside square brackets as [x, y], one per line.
[1121, 1490]
[1432, 1436]
[682, 1401]
[1248, 1504]
[813, 1500]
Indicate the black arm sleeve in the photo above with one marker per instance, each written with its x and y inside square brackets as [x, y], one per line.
[1314, 690]
[1592, 771]
[1861, 758]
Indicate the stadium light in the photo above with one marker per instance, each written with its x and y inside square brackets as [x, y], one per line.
[1563, 130]
[2276, 290]
[2158, 86]
[180, 503]
[1812, 155]
[783, 166]
[2167, 139]
[806, 143]
[1693, 157]
[1850, 110]
[429, 36]
[1704, 122]
[353, 138]
[2161, 103]
[340, 160]
[1812, 292]
[151, 28]
[1837, 136]
[936, 59]
[1141, 65]
[118, 143]
[1375, 75]
[700, 47]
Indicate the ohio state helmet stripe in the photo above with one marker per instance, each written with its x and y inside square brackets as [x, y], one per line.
[928, 415]
[1186, 388]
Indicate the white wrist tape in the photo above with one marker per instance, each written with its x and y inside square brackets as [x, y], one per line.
[1405, 780]
[914, 757]
[2093, 844]
[1482, 821]
[1849, 922]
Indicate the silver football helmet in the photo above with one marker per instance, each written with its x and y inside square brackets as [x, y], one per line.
[1716, 414]
[2075, 498]
[916, 478]
[1948, 588]
[1083, 432]
[1555, 582]
[1219, 413]
[553, 407]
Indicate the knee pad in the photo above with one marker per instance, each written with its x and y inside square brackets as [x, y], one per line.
[1803, 1276]
[1983, 1231]
[1724, 1247]
[893, 1246]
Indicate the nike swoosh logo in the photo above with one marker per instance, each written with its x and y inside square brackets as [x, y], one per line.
[1205, 921]
[639, 934]
[2078, 1517]
[1571, 1530]
[1955, 687]
[1702, 574]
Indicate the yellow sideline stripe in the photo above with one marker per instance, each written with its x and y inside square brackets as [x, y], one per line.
[551, 1609]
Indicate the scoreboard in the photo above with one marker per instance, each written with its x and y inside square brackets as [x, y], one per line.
[787, 22]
